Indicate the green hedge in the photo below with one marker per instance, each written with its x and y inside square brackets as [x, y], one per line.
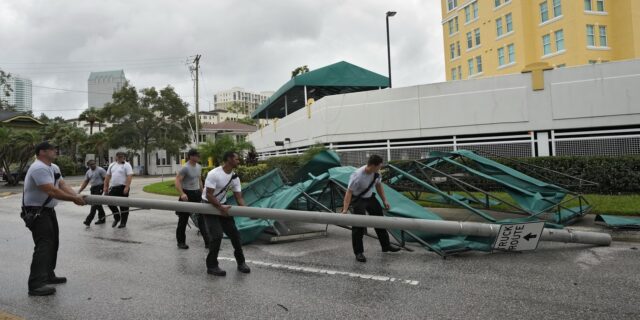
[67, 166]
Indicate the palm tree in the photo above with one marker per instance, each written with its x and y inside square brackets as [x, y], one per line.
[97, 144]
[222, 144]
[18, 151]
[91, 116]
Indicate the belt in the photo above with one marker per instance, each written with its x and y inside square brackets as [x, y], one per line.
[44, 210]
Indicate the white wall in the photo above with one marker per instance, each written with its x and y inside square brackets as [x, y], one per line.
[600, 95]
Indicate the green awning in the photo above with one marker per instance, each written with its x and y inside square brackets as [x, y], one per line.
[337, 78]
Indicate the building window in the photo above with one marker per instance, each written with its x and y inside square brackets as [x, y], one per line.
[460, 72]
[559, 40]
[470, 62]
[452, 51]
[475, 9]
[499, 26]
[557, 8]
[500, 56]
[453, 28]
[477, 34]
[600, 5]
[458, 47]
[512, 53]
[509, 20]
[467, 13]
[546, 44]
[497, 3]
[603, 36]
[544, 12]
[479, 63]
[590, 36]
[469, 40]
[453, 74]
[451, 4]
[587, 5]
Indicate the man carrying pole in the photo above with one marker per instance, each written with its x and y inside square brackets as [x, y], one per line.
[117, 184]
[360, 183]
[218, 182]
[95, 176]
[189, 185]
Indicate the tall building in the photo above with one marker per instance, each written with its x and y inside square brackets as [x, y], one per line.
[102, 85]
[245, 100]
[20, 97]
[491, 37]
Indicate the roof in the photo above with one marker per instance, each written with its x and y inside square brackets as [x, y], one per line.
[106, 75]
[338, 78]
[17, 118]
[231, 126]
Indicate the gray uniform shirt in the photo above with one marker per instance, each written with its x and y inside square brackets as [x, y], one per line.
[360, 180]
[190, 176]
[96, 177]
[40, 174]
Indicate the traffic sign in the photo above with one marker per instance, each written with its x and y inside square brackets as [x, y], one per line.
[519, 237]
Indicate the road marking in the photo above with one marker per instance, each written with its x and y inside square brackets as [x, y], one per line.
[327, 271]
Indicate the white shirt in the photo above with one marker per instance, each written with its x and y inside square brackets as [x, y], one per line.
[360, 180]
[218, 179]
[119, 173]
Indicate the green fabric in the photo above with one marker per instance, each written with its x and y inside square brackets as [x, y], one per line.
[619, 222]
[440, 199]
[319, 164]
[340, 74]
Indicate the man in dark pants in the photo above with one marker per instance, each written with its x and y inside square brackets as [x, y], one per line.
[189, 185]
[360, 184]
[43, 187]
[116, 184]
[94, 176]
[218, 182]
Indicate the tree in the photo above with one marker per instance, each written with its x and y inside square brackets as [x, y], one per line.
[5, 90]
[147, 120]
[91, 116]
[16, 150]
[299, 70]
[67, 137]
[97, 144]
[224, 143]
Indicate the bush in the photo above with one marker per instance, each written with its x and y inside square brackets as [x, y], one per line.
[289, 165]
[67, 166]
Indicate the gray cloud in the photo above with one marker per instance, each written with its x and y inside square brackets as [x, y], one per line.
[253, 44]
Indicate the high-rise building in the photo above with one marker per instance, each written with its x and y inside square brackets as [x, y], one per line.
[491, 37]
[20, 96]
[246, 101]
[102, 85]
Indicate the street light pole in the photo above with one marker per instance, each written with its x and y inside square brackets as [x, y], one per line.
[389, 14]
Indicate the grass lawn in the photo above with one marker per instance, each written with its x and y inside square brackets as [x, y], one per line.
[602, 204]
[167, 188]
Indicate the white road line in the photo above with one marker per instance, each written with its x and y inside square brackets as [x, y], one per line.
[326, 271]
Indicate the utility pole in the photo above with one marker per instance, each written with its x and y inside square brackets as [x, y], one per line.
[196, 69]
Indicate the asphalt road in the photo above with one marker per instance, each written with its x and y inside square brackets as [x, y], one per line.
[138, 273]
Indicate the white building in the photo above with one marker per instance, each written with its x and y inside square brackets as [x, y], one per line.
[219, 115]
[102, 85]
[247, 101]
[20, 97]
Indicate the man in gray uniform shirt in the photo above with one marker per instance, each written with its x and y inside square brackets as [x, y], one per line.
[189, 185]
[95, 177]
[360, 184]
[43, 187]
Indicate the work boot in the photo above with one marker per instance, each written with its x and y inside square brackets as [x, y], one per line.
[42, 291]
[390, 249]
[122, 225]
[87, 223]
[216, 271]
[244, 268]
[360, 257]
[56, 280]
[101, 221]
[114, 224]
[183, 246]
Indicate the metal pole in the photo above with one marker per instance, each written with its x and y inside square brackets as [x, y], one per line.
[389, 14]
[197, 62]
[429, 226]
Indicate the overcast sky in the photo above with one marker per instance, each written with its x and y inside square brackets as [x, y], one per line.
[250, 44]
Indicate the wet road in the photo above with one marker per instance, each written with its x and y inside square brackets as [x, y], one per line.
[138, 273]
